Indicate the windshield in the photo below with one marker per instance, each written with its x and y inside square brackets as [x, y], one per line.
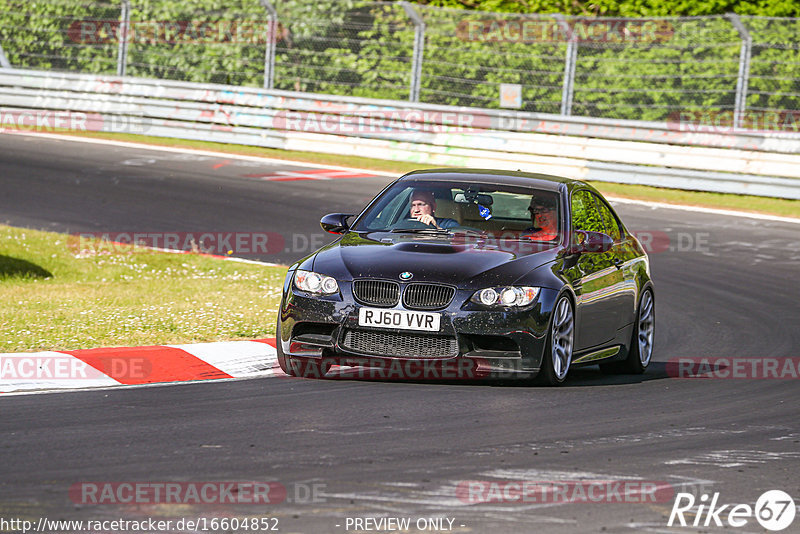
[443, 207]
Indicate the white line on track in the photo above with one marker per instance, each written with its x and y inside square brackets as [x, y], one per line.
[117, 387]
[144, 146]
[699, 209]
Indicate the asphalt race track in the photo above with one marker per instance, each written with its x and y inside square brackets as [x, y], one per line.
[725, 286]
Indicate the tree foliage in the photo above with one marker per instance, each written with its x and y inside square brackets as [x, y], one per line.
[359, 48]
[629, 8]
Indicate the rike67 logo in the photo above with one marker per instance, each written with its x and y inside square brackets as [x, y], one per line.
[774, 511]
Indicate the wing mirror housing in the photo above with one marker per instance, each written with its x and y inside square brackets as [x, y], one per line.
[335, 223]
[585, 241]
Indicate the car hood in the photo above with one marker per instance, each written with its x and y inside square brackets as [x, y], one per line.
[456, 259]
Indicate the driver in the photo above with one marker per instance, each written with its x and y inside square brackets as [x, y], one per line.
[544, 219]
[423, 207]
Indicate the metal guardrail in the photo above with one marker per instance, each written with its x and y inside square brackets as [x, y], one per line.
[657, 154]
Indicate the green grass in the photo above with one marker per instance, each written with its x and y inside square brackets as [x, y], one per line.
[57, 299]
[749, 203]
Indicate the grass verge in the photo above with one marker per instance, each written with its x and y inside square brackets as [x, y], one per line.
[55, 299]
[748, 203]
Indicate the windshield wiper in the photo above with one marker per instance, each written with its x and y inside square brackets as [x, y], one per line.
[437, 231]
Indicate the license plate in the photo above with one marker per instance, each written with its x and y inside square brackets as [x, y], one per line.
[406, 320]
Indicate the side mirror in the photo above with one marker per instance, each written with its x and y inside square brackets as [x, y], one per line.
[335, 223]
[584, 241]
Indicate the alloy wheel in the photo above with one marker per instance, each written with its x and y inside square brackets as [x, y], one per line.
[561, 338]
[646, 325]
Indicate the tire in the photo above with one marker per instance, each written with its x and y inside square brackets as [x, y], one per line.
[299, 367]
[560, 338]
[640, 350]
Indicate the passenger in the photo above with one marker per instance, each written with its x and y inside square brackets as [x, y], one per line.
[423, 208]
[544, 218]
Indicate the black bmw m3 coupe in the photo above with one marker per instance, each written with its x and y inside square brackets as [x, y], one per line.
[481, 273]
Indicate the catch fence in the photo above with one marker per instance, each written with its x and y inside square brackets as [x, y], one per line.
[727, 70]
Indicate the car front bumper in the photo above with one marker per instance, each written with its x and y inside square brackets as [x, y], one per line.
[482, 343]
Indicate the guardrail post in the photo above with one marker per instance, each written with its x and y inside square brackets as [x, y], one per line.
[4, 63]
[419, 46]
[124, 29]
[269, 53]
[570, 61]
[744, 69]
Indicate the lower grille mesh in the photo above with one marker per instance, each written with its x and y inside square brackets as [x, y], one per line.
[404, 345]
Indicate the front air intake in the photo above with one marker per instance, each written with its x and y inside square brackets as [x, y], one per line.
[383, 293]
[400, 344]
[427, 296]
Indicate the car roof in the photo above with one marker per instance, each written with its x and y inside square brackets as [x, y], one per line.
[546, 182]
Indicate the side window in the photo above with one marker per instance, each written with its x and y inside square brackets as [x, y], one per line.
[584, 213]
[610, 222]
[585, 216]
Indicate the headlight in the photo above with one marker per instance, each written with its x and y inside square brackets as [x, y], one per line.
[316, 283]
[497, 297]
